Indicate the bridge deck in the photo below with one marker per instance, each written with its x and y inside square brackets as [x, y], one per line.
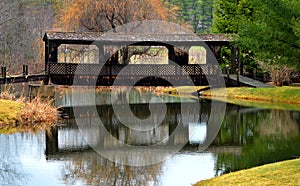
[246, 81]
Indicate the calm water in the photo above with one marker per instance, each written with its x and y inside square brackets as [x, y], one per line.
[248, 137]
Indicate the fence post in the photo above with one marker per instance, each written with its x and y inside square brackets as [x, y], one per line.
[244, 70]
[25, 70]
[254, 73]
[227, 70]
[3, 71]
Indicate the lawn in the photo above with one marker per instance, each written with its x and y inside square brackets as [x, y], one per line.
[9, 111]
[276, 97]
[281, 173]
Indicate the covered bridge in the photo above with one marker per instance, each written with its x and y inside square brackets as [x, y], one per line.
[141, 59]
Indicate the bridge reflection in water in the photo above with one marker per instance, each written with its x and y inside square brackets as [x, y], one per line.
[67, 138]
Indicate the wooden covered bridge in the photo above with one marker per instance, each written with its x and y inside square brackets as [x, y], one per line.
[107, 59]
[118, 57]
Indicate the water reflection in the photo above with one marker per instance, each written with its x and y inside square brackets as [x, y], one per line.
[151, 143]
[265, 136]
[11, 169]
[248, 137]
[90, 97]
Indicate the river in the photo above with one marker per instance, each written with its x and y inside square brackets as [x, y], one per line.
[76, 152]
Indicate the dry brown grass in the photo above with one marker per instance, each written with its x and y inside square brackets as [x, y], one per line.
[38, 111]
[32, 115]
[7, 95]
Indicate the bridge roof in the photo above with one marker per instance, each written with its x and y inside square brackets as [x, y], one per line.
[76, 37]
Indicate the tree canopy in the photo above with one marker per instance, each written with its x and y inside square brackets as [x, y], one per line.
[273, 31]
[269, 29]
[103, 15]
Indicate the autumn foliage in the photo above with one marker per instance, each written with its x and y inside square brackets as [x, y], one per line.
[103, 15]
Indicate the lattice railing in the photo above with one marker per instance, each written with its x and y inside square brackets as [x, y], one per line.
[129, 70]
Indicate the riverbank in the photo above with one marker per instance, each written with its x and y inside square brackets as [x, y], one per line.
[9, 111]
[21, 116]
[287, 98]
[281, 173]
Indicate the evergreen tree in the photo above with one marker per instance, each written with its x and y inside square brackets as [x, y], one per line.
[198, 13]
[228, 15]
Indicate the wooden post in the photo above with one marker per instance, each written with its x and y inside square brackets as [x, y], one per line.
[254, 73]
[227, 71]
[3, 72]
[239, 66]
[233, 58]
[25, 70]
[51, 141]
[51, 54]
[244, 70]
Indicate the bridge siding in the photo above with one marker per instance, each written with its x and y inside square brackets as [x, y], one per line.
[141, 74]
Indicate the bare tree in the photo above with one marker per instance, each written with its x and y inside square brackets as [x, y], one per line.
[278, 72]
[22, 23]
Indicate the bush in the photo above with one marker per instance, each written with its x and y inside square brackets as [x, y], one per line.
[39, 111]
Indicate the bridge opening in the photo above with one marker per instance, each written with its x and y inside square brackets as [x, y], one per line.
[71, 53]
[148, 55]
[197, 55]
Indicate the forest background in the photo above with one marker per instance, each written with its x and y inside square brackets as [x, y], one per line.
[268, 32]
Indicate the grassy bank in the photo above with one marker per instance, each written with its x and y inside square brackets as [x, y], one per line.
[9, 112]
[282, 173]
[20, 116]
[276, 97]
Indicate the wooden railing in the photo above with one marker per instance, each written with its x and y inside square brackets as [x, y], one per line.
[144, 74]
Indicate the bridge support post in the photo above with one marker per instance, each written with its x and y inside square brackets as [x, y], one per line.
[51, 54]
[233, 58]
[238, 70]
[51, 141]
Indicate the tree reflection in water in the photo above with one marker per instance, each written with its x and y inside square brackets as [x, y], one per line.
[265, 136]
[13, 147]
[278, 125]
[93, 169]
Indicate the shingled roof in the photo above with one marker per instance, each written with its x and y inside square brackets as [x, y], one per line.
[125, 37]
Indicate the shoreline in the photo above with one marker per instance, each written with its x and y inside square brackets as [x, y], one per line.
[287, 98]
[280, 173]
[26, 116]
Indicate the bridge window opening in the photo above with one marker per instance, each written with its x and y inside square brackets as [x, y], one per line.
[68, 53]
[145, 55]
[197, 55]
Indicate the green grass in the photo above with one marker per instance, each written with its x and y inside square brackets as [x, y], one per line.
[9, 111]
[282, 173]
[277, 97]
[26, 116]
[183, 90]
